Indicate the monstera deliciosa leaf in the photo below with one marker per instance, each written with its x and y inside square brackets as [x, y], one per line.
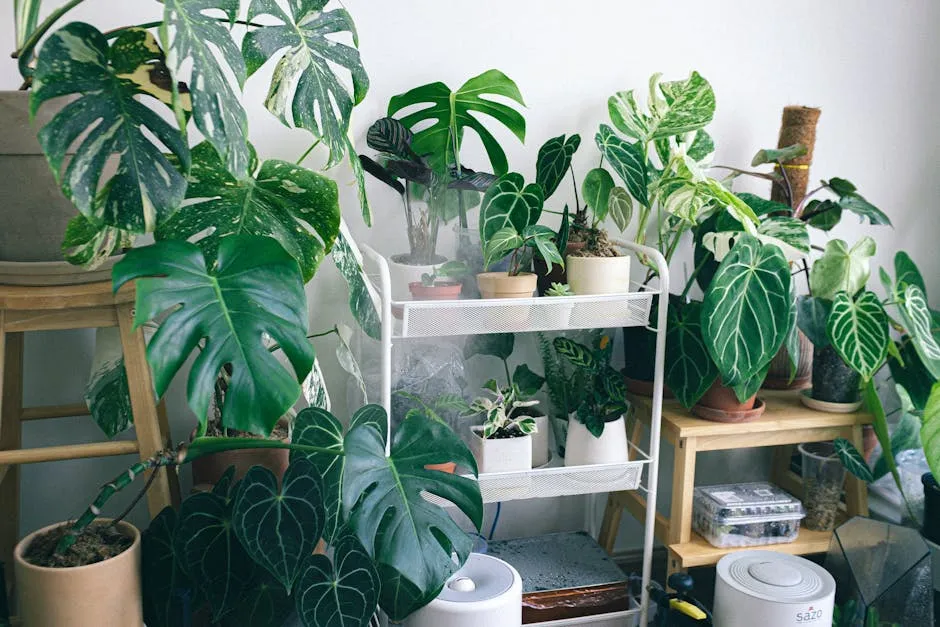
[553, 161]
[690, 371]
[254, 290]
[510, 202]
[109, 120]
[89, 245]
[746, 310]
[304, 81]
[858, 330]
[297, 207]
[454, 111]
[191, 33]
[842, 269]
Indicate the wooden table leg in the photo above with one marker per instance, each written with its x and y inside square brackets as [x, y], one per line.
[683, 484]
[613, 513]
[856, 491]
[11, 407]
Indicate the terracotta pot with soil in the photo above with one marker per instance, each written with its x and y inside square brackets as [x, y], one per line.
[208, 469]
[440, 290]
[96, 583]
[721, 404]
[502, 285]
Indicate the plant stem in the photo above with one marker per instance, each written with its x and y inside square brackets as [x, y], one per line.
[307, 153]
[788, 189]
[140, 495]
[759, 175]
[26, 51]
[574, 184]
[688, 285]
[798, 212]
[506, 368]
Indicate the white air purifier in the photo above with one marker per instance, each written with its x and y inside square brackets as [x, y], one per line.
[772, 590]
[485, 592]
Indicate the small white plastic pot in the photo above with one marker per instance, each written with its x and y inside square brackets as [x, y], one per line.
[598, 275]
[501, 455]
[583, 449]
[540, 442]
[403, 274]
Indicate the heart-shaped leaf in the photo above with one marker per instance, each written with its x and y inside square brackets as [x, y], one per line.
[620, 205]
[304, 81]
[343, 593]
[254, 290]
[596, 189]
[930, 431]
[690, 370]
[278, 527]
[510, 202]
[749, 387]
[318, 427]
[910, 373]
[399, 598]
[858, 330]
[627, 160]
[841, 269]
[146, 188]
[500, 244]
[297, 207]
[553, 161]
[918, 320]
[746, 309]
[907, 272]
[164, 583]
[225, 486]
[384, 502]
[363, 300]
[851, 200]
[853, 460]
[210, 554]
[453, 112]
[812, 315]
[498, 345]
[528, 382]
[264, 604]
[190, 33]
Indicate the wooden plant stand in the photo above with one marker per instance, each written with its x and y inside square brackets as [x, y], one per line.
[89, 305]
[785, 423]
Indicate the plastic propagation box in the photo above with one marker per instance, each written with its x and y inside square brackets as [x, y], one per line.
[746, 514]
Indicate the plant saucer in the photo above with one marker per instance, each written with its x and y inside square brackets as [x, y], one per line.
[827, 406]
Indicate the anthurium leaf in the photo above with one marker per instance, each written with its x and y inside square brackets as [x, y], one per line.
[778, 155]
[858, 330]
[822, 214]
[930, 431]
[620, 206]
[527, 381]
[254, 290]
[746, 309]
[792, 343]
[317, 427]
[762, 206]
[164, 583]
[553, 162]
[225, 486]
[842, 269]
[510, 203]
[363, 301]
[341, 593]
[398, 597]
[576, 354]
[499, 244]
[812, 315]
[384, 502]
[495, 344]
[596, 189]
[89, 244]
[210, 554]
[911, 373]
[690, 370]
[907, 272]
[917, 319]
[439, 104]
[305, 83]
[853, 460]
[110, 120]
[264, 604]
[297, 207]
[278, 526]
[191, 33]
[627, 160]
[749, 387]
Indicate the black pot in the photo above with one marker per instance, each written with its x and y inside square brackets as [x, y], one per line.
[833, 380]
[931, 530]
[546, 278]
[639, 353]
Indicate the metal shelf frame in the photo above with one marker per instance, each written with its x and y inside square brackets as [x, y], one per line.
[481, 316]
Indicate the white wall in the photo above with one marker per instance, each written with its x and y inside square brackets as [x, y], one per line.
[870, 65]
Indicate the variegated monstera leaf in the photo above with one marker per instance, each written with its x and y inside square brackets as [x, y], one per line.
[109, 120]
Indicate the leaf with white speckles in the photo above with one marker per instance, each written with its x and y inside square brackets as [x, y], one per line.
[297, 207]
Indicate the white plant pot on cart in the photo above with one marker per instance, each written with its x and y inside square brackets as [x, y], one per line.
[583, 449]
[501, 454]
[598, 275]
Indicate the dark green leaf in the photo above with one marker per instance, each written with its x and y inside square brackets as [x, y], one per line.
[930, 431]
[906, 437]
[553, 162]
[362, 297]
[164, 584]
[918, 321]
[381, 173]
[146, 188]
[596, 189]
[812, 314]
[107, 394]
[841, 187]
[500, 244]
[627, 160]
[317, 427]
[225, 486]
[470, 180]
[792, 343]
[264, 604]
[342, 593]
[864, 209]
[399, 598]
[297, 207]
[690, 370]
[853, 460]
[385, 506]
[912, 375]
[510, 202]
[907, 272]
[279, 526]
[858, 330]
[577, 354]
[822, 214]
[210, 554]
[198, 36]
[749, 387]
[527, 381]
[746, 309]
[564, 231]
[437, 102]
[389, 136]
[880, 425]
[255, 289]
[778, 155]
[496, 344]
[763, 207]
[304, 80]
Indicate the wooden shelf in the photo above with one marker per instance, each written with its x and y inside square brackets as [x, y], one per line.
[698, 552]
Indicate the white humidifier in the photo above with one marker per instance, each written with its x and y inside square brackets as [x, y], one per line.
[485, 592]
[772, 590]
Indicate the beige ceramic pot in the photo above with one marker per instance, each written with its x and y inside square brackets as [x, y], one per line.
[501, 285]
[106, 593]
[598, 275]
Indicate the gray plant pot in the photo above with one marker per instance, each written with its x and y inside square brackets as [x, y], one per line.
[33, 210]
[833, 380]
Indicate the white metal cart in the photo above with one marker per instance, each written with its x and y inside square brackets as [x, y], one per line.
[424, 319]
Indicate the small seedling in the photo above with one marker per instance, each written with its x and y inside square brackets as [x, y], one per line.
[453, 270]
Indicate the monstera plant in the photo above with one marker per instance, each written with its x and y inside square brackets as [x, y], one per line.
[236, 238]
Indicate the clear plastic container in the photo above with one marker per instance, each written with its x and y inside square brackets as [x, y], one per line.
[823, 477]
[746, 514]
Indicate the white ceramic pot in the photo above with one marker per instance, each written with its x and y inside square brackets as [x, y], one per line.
[583, 449]
[402, 274]
[557, 316]
[501, 455]
[598, 275]
[540, 442]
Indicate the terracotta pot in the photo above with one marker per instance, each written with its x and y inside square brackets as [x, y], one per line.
[448, 467]
[403, 273]
[558, 273]
[869, 441]
[106, 593]
[598, 275]
[501, 285]
[441, 290]
[209, 469]
[721, 404]
[778, 377]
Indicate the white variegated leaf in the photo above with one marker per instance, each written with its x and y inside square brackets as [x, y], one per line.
[500, 244]
[626, 115]
[620, 207]
[917, 319]
[858, 330]
[788, 234]
[363, 298]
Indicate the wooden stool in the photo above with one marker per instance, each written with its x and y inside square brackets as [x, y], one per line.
[91, 305]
